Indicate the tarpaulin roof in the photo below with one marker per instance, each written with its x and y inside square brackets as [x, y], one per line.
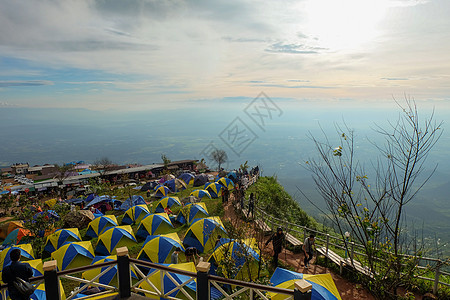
[134, 200]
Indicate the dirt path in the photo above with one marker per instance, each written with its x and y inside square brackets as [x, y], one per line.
[347, 289]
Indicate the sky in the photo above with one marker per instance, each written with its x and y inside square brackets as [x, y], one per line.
[137, 55]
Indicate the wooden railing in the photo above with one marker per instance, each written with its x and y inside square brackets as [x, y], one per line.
[354, 249]
[204, 282]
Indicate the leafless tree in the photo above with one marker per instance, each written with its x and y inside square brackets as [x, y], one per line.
[103, 166]
[370, 203]
[219, 156]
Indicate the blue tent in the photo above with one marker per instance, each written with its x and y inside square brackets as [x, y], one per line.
[200, 179]
[188, 178]
[149, 186]
[323, 286]
[134, 200]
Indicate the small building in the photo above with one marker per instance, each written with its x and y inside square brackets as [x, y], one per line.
[20, 168]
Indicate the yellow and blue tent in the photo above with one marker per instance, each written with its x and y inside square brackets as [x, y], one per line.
[191, 212]
[168, 286]
[26, 253]
[61, 236]
[226, 182]
[232, 175]
[203, 233]
[74, 255]
[110, 276]
[167, 202]
[37, 266]
[200, 194]
[159, 248]
[175, 185]
[115, 237]
[154, 224]
[213, 189]
[242, 253]
[162, 191]
[39, 292]
[135, 214]
[100, 224]
[188, 178]
[323, 287]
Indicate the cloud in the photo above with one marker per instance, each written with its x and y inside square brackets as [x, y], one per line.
[244, 40]
[406, 3]
[6, 104]
[394, 78]
[296, 80]
[292, 48]
[25, 83]
[295, 86]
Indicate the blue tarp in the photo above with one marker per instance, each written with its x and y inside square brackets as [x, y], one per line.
[75, 200]
[104, 198]
[134, 200]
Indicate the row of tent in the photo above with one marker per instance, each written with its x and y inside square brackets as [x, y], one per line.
[210, 190]
[159, 248]
[159, 222]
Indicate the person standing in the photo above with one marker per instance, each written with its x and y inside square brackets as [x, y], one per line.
[16, 269]
[174, 256]
[251, 205]
[308, 249]
[278, 240]
[225, 194]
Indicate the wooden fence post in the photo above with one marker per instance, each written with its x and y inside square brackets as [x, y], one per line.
[51, 280]
[302, 290]
[123, 272]
[436, 277]
[352, 253]
[203, 290]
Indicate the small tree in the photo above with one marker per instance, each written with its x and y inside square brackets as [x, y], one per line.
[219, 156]
[42, 224]
[103, 166]
[62, 173]
[373, 209]
[244, 166]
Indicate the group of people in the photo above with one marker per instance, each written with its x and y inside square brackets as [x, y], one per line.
[278, 239]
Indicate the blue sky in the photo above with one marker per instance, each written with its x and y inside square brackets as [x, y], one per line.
[132, 55]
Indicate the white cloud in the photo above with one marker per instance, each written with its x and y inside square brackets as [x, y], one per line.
[216, 48]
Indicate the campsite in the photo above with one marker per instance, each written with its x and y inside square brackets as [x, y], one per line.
[152, 219]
